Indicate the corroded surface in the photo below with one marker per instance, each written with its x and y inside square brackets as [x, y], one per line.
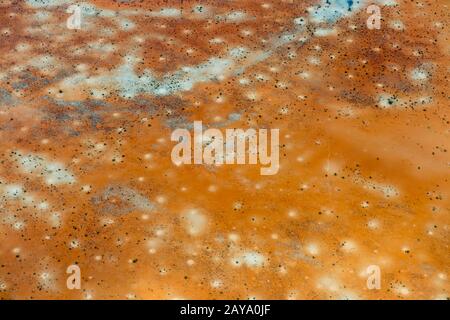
[86, 176]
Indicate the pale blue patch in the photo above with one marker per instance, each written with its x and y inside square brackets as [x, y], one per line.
[48, 3]
[330, 11]
[234, 116]
[5, 98]
[419, 74]
[238, 52]
[131, 84]
[167, 13]
[42, 16]
[324, 32]
[126, 24]
[388, 101]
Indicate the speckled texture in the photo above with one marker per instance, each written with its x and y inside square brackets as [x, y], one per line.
[86, 176]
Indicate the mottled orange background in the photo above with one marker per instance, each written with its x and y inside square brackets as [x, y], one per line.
[86, 176]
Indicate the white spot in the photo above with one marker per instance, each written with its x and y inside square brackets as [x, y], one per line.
[397, 25]
[216, 283]
[349, 246]
[250, 259]
[196, 222]
[419, 75]
[13, 190]
[74, 243]
[292, 213]
[325, 32]
[233, 237]
[300, 21]
[365, 204]
[312, 249]
[373, 224]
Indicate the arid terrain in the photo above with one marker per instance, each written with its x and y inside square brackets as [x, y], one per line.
[86, 177]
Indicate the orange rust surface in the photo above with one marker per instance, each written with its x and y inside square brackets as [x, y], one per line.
[86, 175]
